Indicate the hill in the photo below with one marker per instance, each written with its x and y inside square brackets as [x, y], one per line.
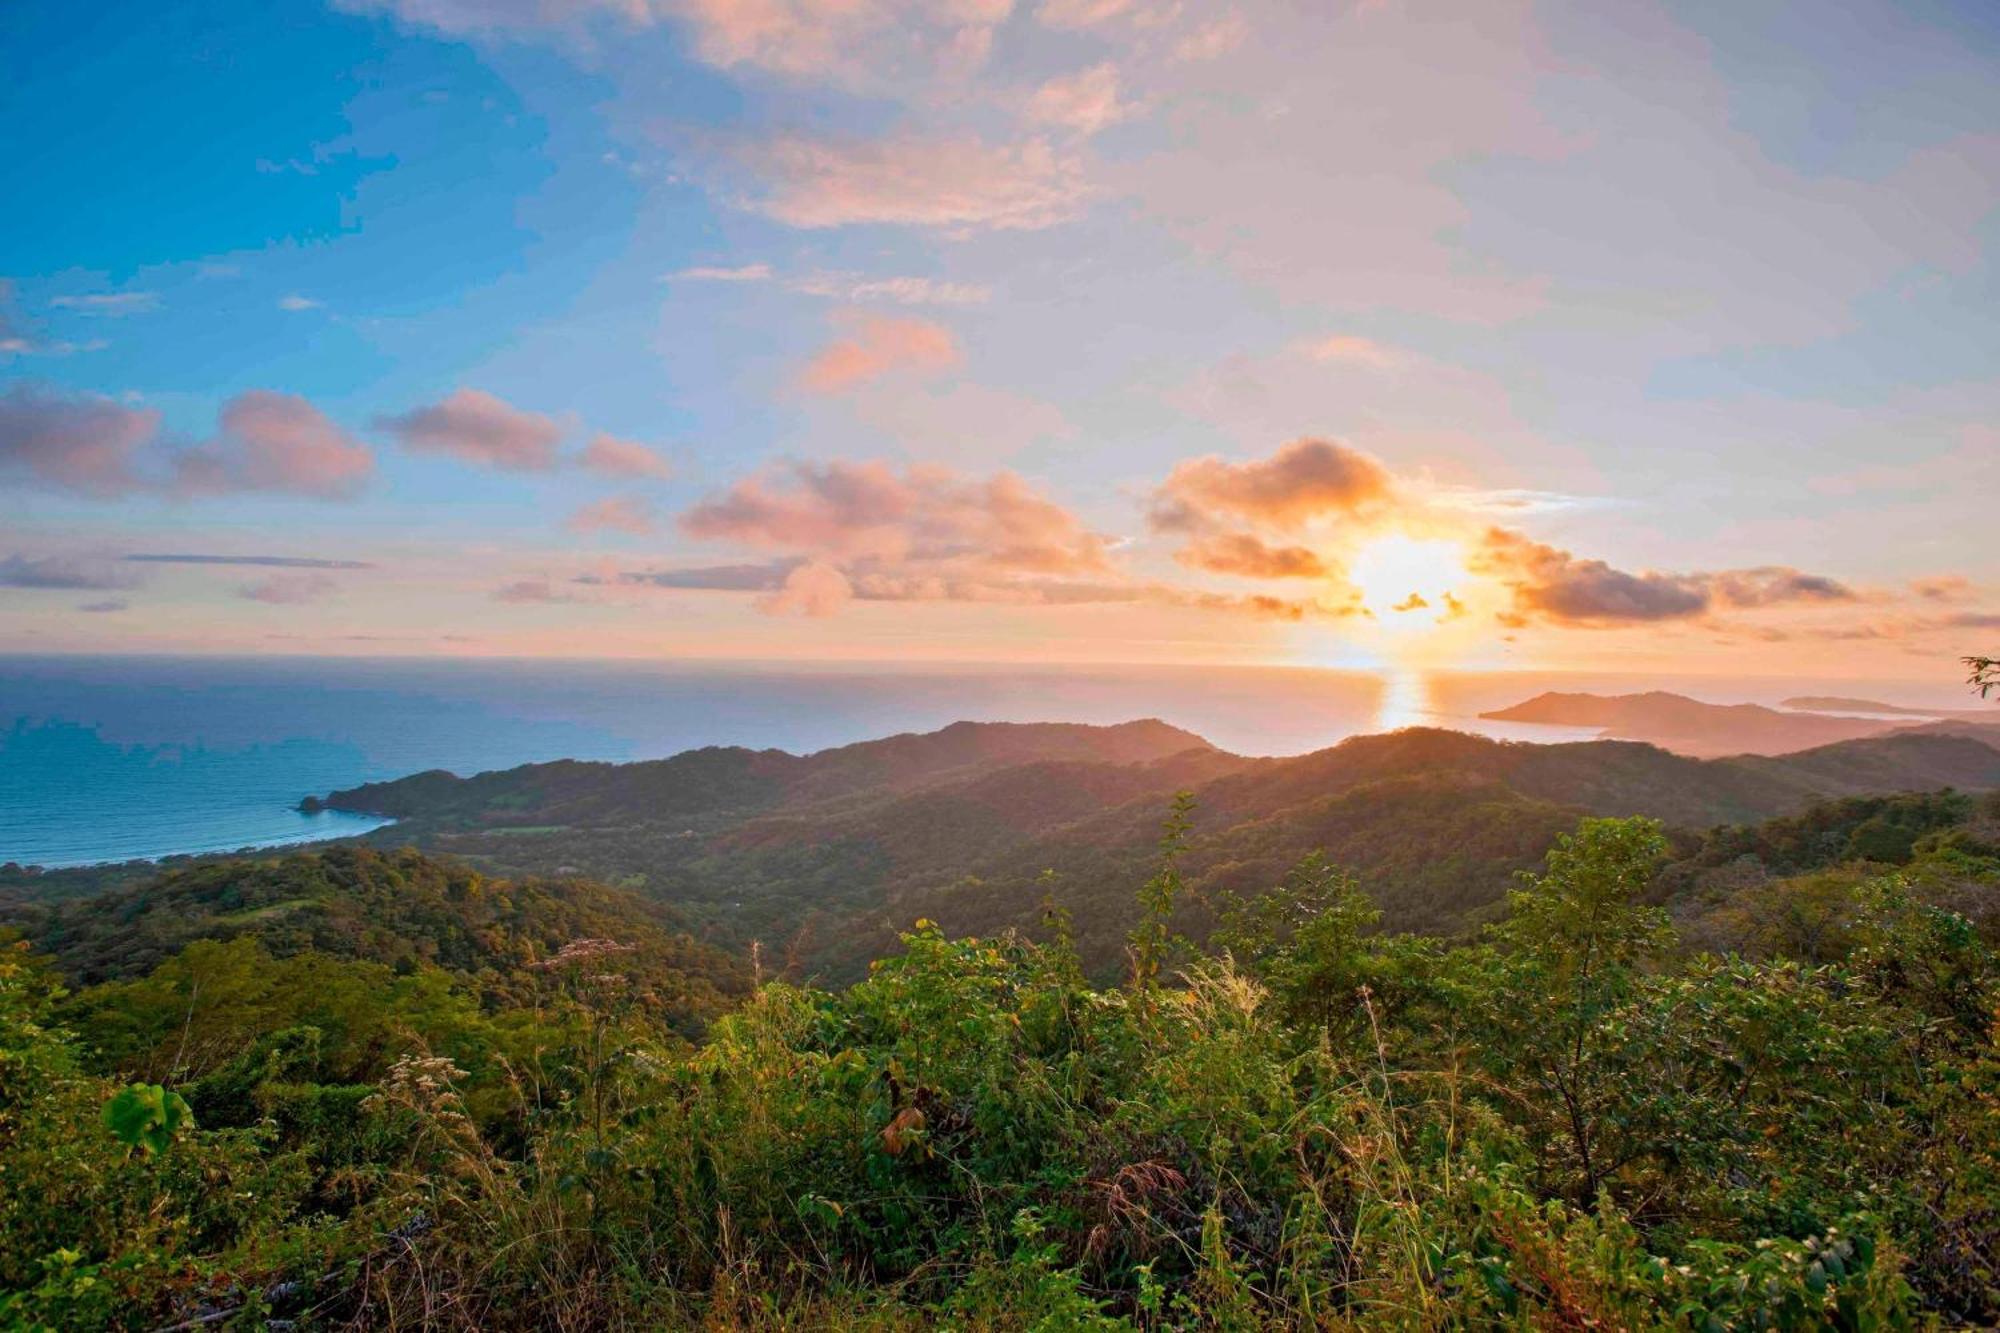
[825, 857]
[1689, 726]
[1837, 703]
[400, 908]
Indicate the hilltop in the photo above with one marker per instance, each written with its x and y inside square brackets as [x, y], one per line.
[824, 857]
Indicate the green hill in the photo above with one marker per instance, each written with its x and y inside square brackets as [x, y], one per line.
[824, 857]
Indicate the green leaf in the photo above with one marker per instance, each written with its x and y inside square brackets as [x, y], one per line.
[146, 1116]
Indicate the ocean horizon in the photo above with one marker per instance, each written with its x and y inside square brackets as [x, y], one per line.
[109, 759]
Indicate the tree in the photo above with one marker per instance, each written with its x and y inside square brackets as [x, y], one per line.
[1576, 936]
[1985, 674]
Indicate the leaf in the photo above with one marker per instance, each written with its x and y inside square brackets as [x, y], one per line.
[146, 1116]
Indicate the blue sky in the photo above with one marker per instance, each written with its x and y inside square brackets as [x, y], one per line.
[932, 324]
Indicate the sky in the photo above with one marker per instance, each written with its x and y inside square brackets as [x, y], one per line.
[1597, 335]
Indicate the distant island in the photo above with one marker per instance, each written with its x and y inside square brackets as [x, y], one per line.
[1707, 731]
[1836, 703]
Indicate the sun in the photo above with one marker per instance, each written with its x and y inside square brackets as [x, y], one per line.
[1409, 583]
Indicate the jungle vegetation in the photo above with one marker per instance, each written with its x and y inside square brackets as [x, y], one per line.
[1747, 1079]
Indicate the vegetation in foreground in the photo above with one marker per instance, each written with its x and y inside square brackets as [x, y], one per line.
[1574, 1120]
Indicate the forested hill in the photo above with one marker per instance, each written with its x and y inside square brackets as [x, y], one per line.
[701, 784]
[402, 909]
[825, 857]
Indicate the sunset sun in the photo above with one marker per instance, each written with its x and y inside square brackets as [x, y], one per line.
[1409, 583]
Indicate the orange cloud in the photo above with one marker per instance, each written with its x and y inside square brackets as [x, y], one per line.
[1556, 586]
[1352, 349]
[879, 346]
[1305, 480]
[1242, 554]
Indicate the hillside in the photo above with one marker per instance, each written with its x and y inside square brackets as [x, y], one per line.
[1689, 726]
[825, 857]
[402, 909]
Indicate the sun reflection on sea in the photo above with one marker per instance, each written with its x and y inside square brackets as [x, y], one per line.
[1406, 700]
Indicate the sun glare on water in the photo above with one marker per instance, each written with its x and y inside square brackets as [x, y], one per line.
[1409, 583]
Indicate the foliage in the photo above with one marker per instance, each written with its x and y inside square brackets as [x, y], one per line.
[146, 1116]
[1576, 1119]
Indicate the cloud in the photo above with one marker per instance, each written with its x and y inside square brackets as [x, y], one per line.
[900, 290]
[94, 447]
[1770, 585]
[275, 442]
[879, 345]
[109, 304]
[1303, 482]
[295, 302]
[479, 428]
[1556, 586]
[1247, 556]
[919, 533]
[960, 184]
[615, 457]
[710, 273]
[525, 592]
[618, 513]
[466, 18]
[1212, 40]
[290, 589]
[1943, 588]
[105, 607]
[255, 561]
[85, 445]
[811, 589]
[65, 572]
[1084, 102]
[1352, 349]
[1074, 14]
[861, 44]
[762, 577]
[17, 339]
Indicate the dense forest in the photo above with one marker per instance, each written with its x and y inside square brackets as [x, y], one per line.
[1746, 1078]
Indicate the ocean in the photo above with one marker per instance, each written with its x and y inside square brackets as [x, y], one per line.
[114, 759]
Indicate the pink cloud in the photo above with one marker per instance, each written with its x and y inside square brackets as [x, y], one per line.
[616, 514]
[811, 589]
[856, 43]
[87, 445]
[529, 592]
[960, 183]
[877, 346]
[931, 515]
[1084, 102]
[480, 428]
[615, 457]
[275, 442]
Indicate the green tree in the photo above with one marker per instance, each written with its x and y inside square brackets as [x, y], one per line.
[1576, 937]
